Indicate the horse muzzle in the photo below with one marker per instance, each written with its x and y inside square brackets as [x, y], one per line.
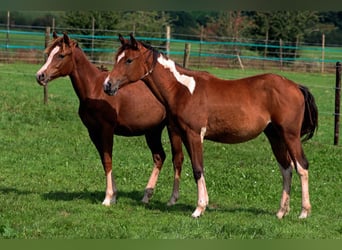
[110, 88]
[42, 78]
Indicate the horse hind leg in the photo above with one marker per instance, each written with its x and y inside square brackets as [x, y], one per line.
[301, 165]
[177, 159]
[285, 165]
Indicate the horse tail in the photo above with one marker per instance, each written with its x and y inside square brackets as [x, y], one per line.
[310, 122]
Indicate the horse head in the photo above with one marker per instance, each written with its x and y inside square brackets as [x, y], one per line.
[132, 63]
[59, 61]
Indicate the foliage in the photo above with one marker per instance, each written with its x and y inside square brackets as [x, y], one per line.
[286, 26]
[153, 22]
[293, 26]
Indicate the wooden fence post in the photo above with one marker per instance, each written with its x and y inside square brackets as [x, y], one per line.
[323, 53]
[337, 103]
[47, 39]
[281, 53]
[168, 37]
[92, 40]
[7, 36]
[186, 55]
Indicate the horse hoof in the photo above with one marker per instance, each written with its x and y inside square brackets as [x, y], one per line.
[172, 201]
[198, 212]
[108, 202]
[145, 200]
[304, 214]
[147, 195]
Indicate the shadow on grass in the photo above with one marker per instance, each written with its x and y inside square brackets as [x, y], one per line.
[7, 190]
[134, 199]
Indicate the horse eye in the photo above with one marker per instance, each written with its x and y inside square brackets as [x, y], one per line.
[61, 56]
[129, 61]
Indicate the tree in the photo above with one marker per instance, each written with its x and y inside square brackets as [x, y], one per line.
[82, 21]
[143, 22]
[287, 26]
[232, 24]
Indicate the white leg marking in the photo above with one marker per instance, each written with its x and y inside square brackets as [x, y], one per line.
[304, 179]
[187, 81]
[49, 60]
[203, 131]
[110, 190]
[203, 198]
[151, 185]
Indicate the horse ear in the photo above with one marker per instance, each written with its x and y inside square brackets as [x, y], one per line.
[134, 42]
[122, 40]
[66, 39]
[54, 35]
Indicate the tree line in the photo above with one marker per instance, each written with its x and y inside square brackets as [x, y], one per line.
[293, 27]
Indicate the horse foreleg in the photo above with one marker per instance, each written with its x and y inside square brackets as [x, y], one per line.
[104, 145]
[158, 163]
[203, 198]
[111, 190]
[154, 143]
[194, 145]
[106, 155]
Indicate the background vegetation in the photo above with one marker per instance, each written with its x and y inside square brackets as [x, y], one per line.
[293, 26]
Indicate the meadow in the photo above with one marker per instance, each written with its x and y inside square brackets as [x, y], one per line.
[52, 182]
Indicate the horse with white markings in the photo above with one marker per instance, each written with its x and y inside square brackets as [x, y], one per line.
[133, 112]
[203, 106]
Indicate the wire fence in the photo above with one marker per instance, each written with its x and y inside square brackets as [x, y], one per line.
[26, 43]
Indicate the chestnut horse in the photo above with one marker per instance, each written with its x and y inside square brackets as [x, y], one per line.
[104, 115]
[203, 106]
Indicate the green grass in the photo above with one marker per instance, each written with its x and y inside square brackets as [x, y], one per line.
[52, 183]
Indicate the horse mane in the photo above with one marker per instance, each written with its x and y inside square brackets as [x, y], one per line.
[156, 53]
[102, 68]
[59, 41]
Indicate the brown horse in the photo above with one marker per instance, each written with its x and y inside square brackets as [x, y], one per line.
[228, 111]
[104, 115]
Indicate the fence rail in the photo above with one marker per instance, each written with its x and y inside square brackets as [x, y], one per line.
[27, 45]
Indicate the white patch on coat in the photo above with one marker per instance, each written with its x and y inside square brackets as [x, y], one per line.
[120, 57]
[187, 81]
[49, 60]
[203, 130]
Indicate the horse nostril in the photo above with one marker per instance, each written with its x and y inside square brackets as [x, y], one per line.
[107, 86]
[40, 77]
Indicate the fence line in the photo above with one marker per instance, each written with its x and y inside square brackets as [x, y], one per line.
[204, 53]
[28, 47]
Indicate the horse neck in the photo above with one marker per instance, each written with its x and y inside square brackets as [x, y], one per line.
[84, 76]
[164, 85]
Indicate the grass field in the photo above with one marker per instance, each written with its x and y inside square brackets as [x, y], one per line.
[52, 183]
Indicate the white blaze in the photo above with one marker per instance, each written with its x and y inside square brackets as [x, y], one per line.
[187, 81]
[49, 60]
[120, 57]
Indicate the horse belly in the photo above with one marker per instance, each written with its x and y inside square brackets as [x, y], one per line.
[138, 121]
[235, 129]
